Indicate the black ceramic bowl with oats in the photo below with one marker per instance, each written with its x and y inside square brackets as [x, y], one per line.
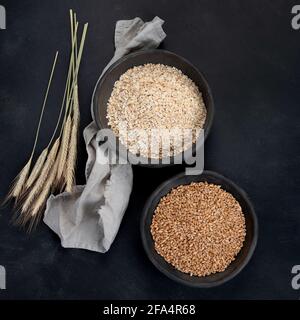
[199, 230]
[149, 89]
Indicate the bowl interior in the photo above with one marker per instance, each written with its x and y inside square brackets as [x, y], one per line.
[104, 87]
[241, 259]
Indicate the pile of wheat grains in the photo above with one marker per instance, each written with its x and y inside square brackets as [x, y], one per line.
[151, 97]
[198, 228]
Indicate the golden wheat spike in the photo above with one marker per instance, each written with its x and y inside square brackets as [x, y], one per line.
[72, 156]
[33, 215]
[42, 197]
[63, 152]
[17, 186]
[40, 182]
[37, 207]
[36, 169]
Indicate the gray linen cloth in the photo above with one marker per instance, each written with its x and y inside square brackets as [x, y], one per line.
[90, 216]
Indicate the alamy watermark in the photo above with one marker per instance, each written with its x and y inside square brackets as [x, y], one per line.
[155, 147]
[2, 278]
[2, 18]
[296, 278]
[295, 22]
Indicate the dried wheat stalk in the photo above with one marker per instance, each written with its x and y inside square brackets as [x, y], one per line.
[40, 182]
[63, 153]
[72, 156]
[68, 179]
[40, 201]
[72, 152]
[55, 166]
[17, 187]
[37, 168]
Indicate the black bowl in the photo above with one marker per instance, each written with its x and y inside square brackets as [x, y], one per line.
[242, 257]
[104, 87]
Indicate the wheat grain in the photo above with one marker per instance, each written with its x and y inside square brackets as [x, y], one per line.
[198, 228]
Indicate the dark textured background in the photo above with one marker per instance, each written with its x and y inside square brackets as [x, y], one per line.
[250, 56]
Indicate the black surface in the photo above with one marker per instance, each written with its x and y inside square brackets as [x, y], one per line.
[249, 54]
[242, 258]
[104, 87]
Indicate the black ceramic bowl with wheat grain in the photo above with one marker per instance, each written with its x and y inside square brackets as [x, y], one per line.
[242, 257]
[105, 84]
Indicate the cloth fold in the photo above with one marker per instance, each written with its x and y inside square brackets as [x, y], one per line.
[89, 217]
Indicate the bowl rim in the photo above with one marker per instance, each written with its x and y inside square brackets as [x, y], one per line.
[237, 270]
[121, 60]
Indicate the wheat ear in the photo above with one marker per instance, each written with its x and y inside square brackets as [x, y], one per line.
[36, 169]
[17, 186]
[72, 155]
[42, 179]
[38, 205]
[63, 153]
[72, 152]
[40, 200]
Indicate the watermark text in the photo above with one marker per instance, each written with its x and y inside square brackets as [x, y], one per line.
[2, 278]
[2, 18]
